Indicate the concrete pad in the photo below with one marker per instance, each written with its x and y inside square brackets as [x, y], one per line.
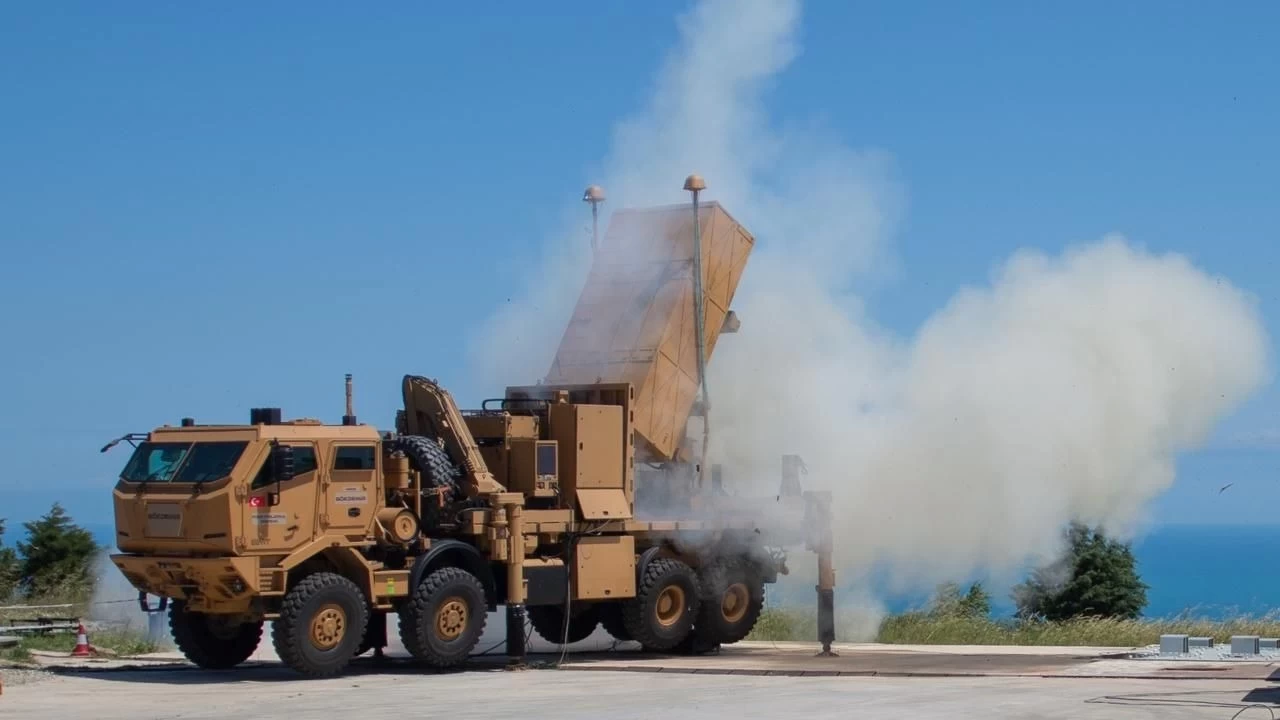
[1174, 670]
[604, 679]
[800, 660]
[1069, 650]
[601, 653]
[272, 693]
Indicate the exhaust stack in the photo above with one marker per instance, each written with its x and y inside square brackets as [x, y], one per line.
[350, 417]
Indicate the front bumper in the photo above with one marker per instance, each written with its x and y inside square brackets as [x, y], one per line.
[202, 583]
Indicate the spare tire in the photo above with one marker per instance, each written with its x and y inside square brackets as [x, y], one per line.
[439, 475]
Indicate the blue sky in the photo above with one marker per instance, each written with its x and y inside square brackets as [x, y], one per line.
[210, 208]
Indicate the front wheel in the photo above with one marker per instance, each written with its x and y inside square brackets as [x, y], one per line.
[443, 620]
[322, 623]
[213, 642]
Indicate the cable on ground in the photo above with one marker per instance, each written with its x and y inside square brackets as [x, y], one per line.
[1182, 699]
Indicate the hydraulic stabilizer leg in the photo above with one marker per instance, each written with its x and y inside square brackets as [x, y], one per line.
[515, 578]
[826, 604]
[820, 521]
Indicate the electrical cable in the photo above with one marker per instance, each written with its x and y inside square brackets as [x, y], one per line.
[570, 541]
[1180, 699]
[527, 634]
[568, 597]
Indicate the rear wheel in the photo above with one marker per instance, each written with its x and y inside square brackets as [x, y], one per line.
[213, 642]
[612, 621]
[322, 624]
[732, 599]
[661, 614]
[548, 622]
[443, 620]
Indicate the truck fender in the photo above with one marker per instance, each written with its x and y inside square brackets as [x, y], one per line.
[455, 553]
[645, 558]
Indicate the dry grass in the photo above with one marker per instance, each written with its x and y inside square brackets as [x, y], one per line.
[121, 641]
[926, 629]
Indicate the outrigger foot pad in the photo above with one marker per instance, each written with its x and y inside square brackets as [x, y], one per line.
[515, 636]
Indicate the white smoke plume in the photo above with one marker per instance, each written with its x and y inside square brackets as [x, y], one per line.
[1063, 390]
[115, 604]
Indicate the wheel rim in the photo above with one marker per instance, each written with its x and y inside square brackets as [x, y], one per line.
[451, 619]
[328, 627]
[733, 604]
[670, 605]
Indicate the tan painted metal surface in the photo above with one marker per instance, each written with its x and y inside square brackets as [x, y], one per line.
[634, 320]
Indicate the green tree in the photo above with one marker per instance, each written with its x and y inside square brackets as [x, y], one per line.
[9, 570]
[1097, 577]
[949, 602]
[57, 555]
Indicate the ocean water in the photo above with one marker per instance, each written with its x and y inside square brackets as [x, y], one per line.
[1207, 571]
[1213, 571]
[1210, 571]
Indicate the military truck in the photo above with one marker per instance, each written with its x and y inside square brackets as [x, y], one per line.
[529, 502]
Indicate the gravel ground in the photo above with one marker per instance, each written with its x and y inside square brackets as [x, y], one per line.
[12, 676]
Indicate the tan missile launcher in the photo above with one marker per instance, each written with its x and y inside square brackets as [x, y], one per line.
[535, 501]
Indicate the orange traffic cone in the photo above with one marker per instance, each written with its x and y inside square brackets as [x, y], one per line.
[82, 643]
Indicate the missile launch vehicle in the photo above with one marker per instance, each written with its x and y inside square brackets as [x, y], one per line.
[576, 502]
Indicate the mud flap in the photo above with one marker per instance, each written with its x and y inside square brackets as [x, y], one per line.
[146, 607]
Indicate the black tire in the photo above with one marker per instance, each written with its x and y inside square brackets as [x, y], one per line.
[611, 619]
[209, 641]
[439, 475]
[427, 457]
[444, 618]
[732, 600]
[321, 625]
[662, 613]
[548, 622]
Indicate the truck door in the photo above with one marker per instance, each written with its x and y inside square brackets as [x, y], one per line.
[353, 487]
[290, 523]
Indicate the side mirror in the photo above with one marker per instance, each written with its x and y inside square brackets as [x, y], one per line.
[282, 468]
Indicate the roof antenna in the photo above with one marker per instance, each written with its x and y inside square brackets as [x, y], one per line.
[350, 417]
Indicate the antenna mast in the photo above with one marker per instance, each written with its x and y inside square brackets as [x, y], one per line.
[695, 184]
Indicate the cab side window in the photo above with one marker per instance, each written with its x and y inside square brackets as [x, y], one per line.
[304, 461]
[353, 458]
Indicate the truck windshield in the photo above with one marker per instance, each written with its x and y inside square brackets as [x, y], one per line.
[180, 462]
